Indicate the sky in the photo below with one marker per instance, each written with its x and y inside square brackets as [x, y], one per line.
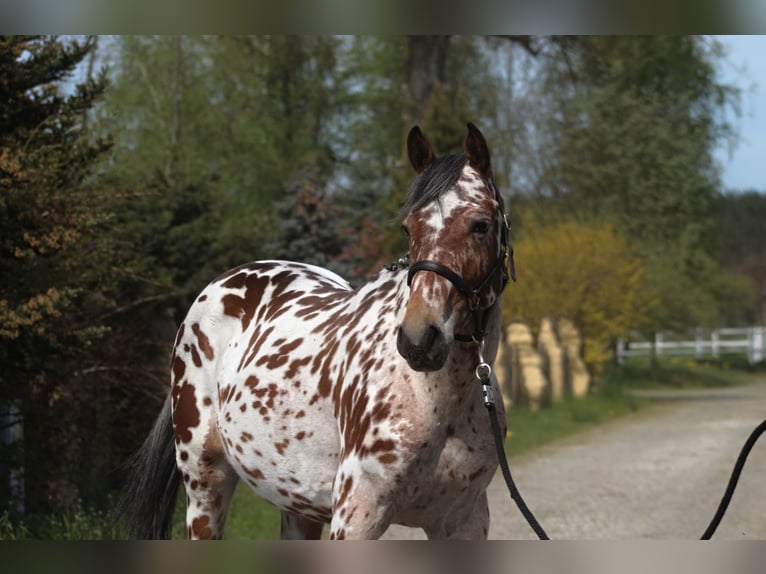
[745, 167]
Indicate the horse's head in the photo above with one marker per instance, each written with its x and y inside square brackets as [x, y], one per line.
[458, 249]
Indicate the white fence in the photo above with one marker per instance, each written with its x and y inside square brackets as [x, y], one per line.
[750, 341]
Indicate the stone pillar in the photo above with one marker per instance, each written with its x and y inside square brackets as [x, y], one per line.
[535, 389]
[553, 358]
[572, 344]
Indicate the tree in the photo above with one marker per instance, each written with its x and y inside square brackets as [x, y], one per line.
[241, 120]
[636, 127]
[438, 82]
[740, 248]
[47, 214]
[306, 230]
[627, 134]
[586, 273]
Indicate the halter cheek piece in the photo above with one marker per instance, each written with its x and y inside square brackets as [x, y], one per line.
[503, 265]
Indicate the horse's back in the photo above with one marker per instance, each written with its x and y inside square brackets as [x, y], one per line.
[245, 373]
[234, 303]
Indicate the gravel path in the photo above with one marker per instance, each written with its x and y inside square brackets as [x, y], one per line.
[658, 474]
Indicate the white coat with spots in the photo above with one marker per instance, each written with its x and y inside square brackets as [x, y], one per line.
[356, 408]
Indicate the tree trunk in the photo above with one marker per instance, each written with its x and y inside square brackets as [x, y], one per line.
[427, 68]
[171, 168]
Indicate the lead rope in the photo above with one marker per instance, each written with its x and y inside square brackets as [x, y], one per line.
[733, 479]
[484, 374]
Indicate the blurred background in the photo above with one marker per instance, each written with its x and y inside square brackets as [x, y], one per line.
[134, 169]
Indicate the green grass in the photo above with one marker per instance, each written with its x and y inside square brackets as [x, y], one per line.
[683, 373]
[253, 519]
[528, 429]
[78, 523]
[250, 518]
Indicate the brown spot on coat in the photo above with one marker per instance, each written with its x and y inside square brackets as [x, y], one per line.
[196, 359]
[243, 308]
[282, 445]
[203, 342]
[185, 412]
[255, 473]
[179, 368]
[180, 334]
[200, 528]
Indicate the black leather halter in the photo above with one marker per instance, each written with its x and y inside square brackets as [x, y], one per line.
[503, 265]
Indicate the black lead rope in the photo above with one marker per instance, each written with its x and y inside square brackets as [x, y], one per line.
[483, 372]
[515, 494]
[733, 479]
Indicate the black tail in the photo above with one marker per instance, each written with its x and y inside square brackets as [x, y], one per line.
[146, 505]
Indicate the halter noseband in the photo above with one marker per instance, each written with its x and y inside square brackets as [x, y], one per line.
[503, 265]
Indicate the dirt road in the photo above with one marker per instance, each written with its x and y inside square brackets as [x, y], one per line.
[658, 474]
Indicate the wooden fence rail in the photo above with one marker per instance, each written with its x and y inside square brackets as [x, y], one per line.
[750, 341]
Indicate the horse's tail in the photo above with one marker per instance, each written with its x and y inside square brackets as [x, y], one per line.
[146, 506]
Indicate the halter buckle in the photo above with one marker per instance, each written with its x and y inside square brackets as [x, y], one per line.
[484, 375]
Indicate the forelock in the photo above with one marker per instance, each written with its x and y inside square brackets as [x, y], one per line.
[433, 182]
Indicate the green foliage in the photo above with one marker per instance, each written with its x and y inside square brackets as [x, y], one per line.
[637, 132]
[586, 273]
[79, 522]
[43, 210]
[51, 288]
[740, 248]
[305, 230]
[243, 116]
[628, 126]
[695, 291]
[12, 531]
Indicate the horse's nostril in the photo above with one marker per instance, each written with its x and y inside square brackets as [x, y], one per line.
[431, 337]
[426, 353]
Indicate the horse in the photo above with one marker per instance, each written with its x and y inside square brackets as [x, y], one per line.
[358, 408]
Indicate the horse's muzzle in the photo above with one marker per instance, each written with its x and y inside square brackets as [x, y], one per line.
[428, 353]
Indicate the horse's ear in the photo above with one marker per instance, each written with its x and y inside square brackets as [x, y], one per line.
[419, 150]
[477, 152]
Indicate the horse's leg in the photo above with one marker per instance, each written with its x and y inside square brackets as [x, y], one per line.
[464, 523]
[209, 481]
[359, 501]
[300, 528]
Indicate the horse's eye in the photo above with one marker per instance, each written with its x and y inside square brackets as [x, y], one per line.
[480, 227]
[405, 230]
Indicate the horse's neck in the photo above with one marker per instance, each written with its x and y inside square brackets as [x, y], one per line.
[390, 285]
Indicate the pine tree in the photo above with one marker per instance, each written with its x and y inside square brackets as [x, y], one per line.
[46, 216]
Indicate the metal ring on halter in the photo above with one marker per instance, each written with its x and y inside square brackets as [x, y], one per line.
[483, 372]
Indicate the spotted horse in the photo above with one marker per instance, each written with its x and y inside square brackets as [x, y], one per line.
[358, 408]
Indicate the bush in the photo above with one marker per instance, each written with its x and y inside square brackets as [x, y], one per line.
[78, 523]
[586, 273]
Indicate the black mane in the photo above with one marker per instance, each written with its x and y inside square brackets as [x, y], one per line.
[433, 182]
